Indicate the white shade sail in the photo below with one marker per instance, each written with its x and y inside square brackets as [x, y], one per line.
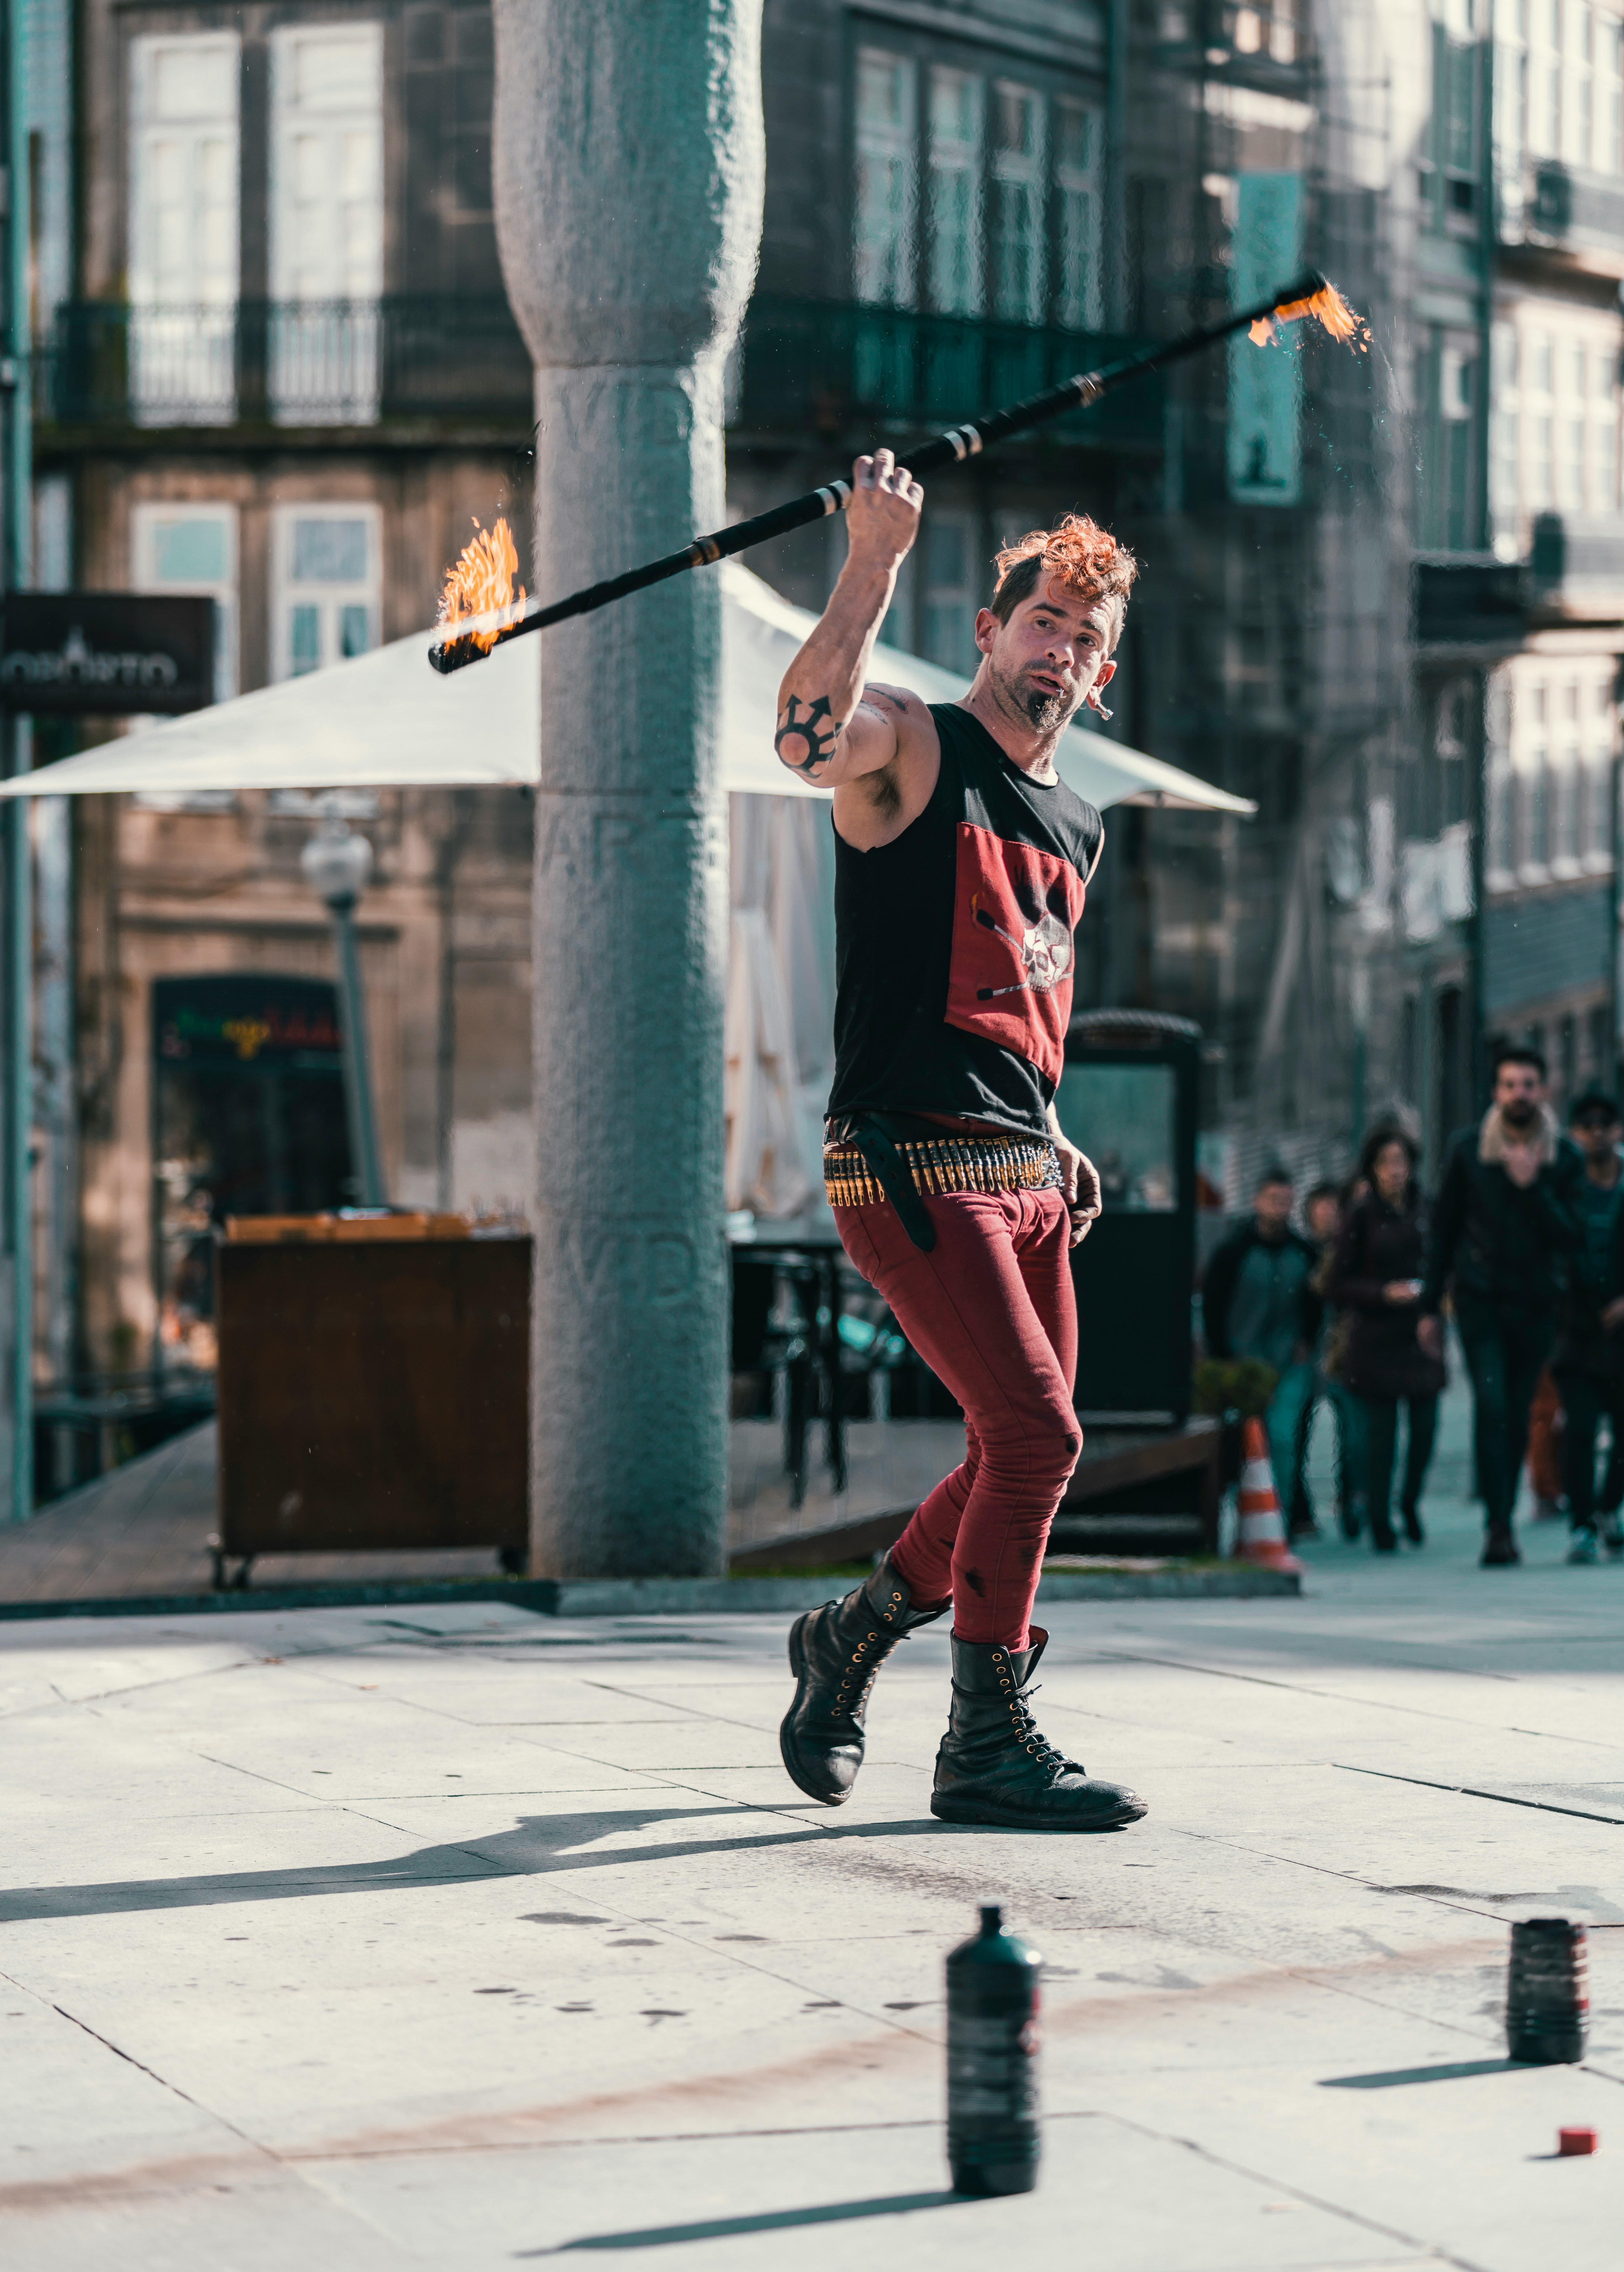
[387, 720]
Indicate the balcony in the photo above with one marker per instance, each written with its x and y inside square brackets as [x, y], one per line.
[828, 369]
[1470, 602]
[407, 358]
[1566, 209]
[1575, 568]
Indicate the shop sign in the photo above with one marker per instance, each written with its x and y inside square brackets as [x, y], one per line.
[258, 1024]
[106, 654]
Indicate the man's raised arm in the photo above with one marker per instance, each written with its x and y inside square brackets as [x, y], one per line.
[827, 731]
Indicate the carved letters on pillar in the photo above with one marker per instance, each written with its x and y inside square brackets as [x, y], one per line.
[616, 837]
[639, 1257]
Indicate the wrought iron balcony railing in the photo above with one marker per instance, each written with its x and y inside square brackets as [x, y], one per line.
[831, 368]
[294, 362]
[817, 368]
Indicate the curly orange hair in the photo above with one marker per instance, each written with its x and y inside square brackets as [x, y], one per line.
[1080, 553]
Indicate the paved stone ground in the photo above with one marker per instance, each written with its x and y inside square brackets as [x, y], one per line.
[281, 1987]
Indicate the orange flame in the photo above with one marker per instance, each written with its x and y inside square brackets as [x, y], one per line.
[482, 584]
[1328, 309]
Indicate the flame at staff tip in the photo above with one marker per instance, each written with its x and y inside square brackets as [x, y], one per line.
[482, 583]
[1328, 309]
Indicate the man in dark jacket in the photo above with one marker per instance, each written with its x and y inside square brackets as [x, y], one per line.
[1258, 1300]
[1589, 1359]
[1501, 1231]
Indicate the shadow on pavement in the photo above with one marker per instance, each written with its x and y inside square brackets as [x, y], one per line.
[1398, 2075]
[778, 2220]
[541, 1845]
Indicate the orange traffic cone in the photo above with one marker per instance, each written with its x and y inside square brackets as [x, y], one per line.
[1262, 1533]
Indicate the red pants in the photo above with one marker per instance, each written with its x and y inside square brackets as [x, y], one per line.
[992, 1312]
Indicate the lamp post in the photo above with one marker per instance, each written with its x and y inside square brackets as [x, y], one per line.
[337, 864]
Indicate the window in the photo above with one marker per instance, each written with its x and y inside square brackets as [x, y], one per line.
[1574, 424]
[1502, 822]
[1540, 426]
[1018, 282]
[1545, 78]
[1557, 390]
[327, 586]
[182, 253]
[1567, 789]
[1511, 95]
[1504, 467]
[326, 221]
[1560, 85]
[1609, 156]
[1007, 170]
[192, 548]
[1598, 833]
[1537, 841]
[885, 186]
[1268, 28]
[955, 157]
[1077, 131]
[1576, 83]
[1603, 496]
[1456, 385]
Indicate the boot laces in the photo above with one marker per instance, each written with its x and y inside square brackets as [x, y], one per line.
[851, 1698]
[1030, 1739]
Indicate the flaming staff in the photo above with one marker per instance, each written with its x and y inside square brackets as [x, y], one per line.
[484, 573]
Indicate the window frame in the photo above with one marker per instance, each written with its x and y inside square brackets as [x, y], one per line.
[145, 516]
[1051, 302]
[327, 596]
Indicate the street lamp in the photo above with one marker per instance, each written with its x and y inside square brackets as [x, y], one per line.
[337, 864]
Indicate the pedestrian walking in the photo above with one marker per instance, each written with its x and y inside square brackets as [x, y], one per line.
[1376, 1278]
[961, 861]
[1588, 1358]
[1258, 1300]
[1502, 1231]
[1323, 1213]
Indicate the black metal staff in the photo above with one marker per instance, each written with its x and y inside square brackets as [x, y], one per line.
[460, 645]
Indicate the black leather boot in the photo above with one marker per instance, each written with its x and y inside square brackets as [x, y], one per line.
[994, 1766]
[834, 1652]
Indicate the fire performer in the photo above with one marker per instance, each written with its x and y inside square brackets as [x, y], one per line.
[962, 861]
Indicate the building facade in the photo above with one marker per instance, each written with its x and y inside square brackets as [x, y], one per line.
[1383, 589]
[280, 370]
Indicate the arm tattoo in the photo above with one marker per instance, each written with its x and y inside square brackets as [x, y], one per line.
[811, 725]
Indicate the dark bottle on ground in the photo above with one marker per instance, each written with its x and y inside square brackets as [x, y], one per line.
[1548, 1991]
[992, 2043]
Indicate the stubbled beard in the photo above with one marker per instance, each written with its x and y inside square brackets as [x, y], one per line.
[1045, 713]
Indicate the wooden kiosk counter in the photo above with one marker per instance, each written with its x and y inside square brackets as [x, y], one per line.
[374, 1386]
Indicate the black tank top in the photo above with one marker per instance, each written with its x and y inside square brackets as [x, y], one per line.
[954, 943]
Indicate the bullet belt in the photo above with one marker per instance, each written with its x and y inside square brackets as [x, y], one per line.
[939, 1165]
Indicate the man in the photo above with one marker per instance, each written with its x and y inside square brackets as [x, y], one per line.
[1501, 1228]
[1588, 1360]
[961, 865]
[1258, 1300]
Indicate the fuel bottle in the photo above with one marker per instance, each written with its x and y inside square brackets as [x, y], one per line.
[992, 2046]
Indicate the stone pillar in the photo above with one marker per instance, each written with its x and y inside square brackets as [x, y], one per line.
[628, 161]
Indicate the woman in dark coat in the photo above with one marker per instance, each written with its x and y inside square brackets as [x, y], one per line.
[1376, 1278]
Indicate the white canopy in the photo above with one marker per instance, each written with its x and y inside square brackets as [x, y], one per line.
[387, 720]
